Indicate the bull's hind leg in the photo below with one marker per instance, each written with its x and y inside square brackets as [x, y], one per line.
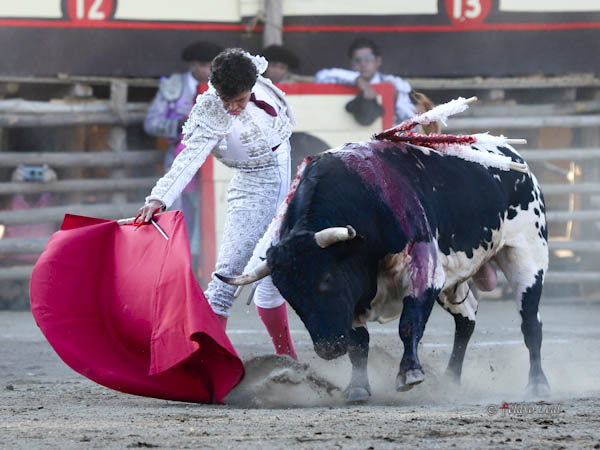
[524, 269]
[461, 303]
[359, 389]
[415, 312]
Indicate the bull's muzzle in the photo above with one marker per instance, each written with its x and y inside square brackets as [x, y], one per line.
[330, 350]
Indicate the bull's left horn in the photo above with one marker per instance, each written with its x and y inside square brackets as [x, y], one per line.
[330, 236]
[259, 272]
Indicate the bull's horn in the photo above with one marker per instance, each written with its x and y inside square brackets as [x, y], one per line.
[260, 271]
[330, 236]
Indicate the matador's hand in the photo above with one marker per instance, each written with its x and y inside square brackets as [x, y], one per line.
[148, 210]
[146, 213]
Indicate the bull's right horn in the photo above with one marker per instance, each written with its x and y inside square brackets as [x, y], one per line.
[259, 272]
[330, 236]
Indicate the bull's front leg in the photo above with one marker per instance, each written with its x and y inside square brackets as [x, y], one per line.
[359, 389]
[414, 316]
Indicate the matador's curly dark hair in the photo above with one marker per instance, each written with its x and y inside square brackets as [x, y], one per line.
[232, 73]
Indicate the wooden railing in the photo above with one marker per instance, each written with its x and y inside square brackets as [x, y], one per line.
[54, 214]
[117, 112]
[117, 210]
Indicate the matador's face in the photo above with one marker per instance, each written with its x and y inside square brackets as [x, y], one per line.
[237, 104]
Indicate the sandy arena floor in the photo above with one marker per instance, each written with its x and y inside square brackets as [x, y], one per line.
[283, 405]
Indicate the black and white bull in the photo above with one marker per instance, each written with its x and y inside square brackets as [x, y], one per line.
[377, 231]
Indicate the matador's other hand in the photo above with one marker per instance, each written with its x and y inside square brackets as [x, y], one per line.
[148, 210]
[146, 213]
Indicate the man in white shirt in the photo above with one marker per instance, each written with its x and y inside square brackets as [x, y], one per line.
[365, 60]
[244, 121]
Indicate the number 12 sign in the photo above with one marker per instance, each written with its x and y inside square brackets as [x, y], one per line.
[89, 10]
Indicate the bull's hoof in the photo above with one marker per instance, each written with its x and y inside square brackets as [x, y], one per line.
[407, 380]
[357, 395]
[539, 389]
[452, 378]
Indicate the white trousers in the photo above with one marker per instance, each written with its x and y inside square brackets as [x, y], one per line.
[252, 200]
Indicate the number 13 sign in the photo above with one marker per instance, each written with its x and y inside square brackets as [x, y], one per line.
[468, 13]
[89, 10]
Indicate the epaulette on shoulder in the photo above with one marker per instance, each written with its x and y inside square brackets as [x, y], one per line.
[172, 87]
[209, 114]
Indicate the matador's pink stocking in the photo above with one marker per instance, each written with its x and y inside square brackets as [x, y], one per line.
[276, 323]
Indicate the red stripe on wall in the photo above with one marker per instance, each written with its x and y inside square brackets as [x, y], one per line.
[440, 28]
[118, 24]
[34, 23]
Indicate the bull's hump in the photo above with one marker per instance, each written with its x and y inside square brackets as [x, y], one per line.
[390, 170]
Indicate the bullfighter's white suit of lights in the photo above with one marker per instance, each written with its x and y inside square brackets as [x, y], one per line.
[254, 143]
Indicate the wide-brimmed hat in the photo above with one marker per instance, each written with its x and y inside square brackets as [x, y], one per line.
[278, 53]
[201, 51]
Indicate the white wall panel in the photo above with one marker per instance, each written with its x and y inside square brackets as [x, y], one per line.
[549, 5]
[179, 10]
[31, 9]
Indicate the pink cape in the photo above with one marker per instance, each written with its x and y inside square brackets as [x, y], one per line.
[122, 307]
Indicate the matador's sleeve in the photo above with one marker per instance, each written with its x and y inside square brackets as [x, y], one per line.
[207, 124]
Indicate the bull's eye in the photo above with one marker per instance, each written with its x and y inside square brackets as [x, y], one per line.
[325, 283]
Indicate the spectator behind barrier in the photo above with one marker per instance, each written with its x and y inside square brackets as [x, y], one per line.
[281, 61]
[15, 293]
[365, 61]
[31, 174]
